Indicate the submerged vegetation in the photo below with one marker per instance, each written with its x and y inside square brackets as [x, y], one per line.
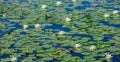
[60, 31]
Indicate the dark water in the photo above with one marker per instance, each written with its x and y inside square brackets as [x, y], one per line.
[57, 27]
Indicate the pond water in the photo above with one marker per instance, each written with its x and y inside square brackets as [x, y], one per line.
[47, 43]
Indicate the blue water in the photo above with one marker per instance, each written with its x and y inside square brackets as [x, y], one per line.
[77, 54]
[68, 9]
[116, 58]
[14, 24]
[12, 46]
[57, 28]
[5, 56]
[23, 33]
[109, 24]
[107, 37]
[80, 8]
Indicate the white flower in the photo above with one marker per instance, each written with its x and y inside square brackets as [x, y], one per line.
[67, 19]
[93, 47]
[37, 25]
[2, 1]
[4, 15]
[58, 3]
[73, 0]
[77, 45]
[25, 26]
[61, 32]
[44, 6]
[108, 56]
[115, 12]
[13, 58]
[106, 15]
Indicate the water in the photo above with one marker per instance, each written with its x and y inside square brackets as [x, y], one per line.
[57, 28]
[109, 24]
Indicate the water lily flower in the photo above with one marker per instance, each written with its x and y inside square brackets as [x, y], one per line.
[44, 6]
[37, 25]
[73, 0]
[108, 56]
[77, 45]
[106, 15]
[115, 12]
[67, 19]
[58, 3]
[93, 47]
[13, 58]
[25, 26]
[61, 32]
[4, 15]
[2, 1]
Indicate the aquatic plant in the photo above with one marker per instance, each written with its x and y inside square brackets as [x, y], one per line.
[70, 31]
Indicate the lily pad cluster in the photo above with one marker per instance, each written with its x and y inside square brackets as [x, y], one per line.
[60, 31]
